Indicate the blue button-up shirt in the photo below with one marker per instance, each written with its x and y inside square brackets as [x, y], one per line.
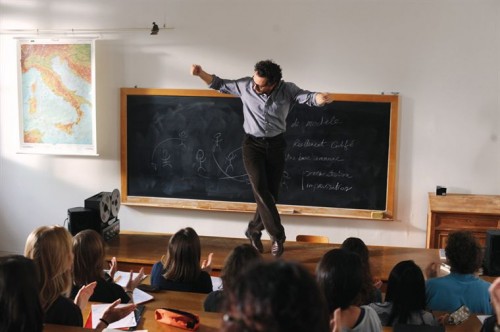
[264, 115]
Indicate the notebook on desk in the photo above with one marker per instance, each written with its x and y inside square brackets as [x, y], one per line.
[128, 323]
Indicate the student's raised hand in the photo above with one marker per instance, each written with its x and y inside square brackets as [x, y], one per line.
[84, 294]
[113, 267]
[114, 314]
[134, 282]
[206, 264]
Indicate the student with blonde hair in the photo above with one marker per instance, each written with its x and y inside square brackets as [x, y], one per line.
[88, 266]
[50, 248]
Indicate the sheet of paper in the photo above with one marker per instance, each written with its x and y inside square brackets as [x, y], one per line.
[482, 318]
[141, 296]
[216, 283]
[99, 309]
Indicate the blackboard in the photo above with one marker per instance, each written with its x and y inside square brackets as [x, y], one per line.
[182, 149]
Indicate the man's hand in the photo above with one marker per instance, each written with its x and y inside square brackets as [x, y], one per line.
[196, 70]
[323, 98]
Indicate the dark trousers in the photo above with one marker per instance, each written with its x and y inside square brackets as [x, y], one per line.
[264, 160]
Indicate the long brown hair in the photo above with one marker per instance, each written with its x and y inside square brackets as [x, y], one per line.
[89, 257]
[50, 249]
[182, 262]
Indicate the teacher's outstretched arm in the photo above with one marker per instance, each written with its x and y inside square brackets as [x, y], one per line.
[196, 70]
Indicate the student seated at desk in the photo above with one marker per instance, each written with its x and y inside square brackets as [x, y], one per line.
[339, 275]
[88, 266]
[405, 297]
[461, 286]
[180, 269]
[370, 289]
[20, 309]
[275, 296]
[239, 258]
[50, 248]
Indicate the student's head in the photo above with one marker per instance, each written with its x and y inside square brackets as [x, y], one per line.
[50, 248]
[406, 291]
[339, 275]
[239, 258]
[266, 75]
[463, 252]
[357, 246]
[20, 309]
[89, 257]
[275, 296]
[182, 262]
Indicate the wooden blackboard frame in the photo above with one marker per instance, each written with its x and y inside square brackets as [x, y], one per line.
[208, 205]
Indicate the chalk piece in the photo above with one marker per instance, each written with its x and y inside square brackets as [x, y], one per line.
[377, 215]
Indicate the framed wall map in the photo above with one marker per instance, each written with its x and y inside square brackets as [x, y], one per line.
[57, 113]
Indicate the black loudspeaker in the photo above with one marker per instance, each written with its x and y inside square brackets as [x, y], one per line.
[492, 253]
[80, 218]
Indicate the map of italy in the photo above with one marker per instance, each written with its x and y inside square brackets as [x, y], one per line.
[57, 93]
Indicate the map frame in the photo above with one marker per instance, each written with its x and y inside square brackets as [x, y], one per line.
[74, 128]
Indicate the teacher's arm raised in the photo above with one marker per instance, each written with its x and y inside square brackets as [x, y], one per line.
[196, 70]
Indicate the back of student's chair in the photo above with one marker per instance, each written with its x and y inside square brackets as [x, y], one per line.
[312, 238]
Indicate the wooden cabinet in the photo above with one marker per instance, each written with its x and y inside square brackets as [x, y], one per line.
[473, 213]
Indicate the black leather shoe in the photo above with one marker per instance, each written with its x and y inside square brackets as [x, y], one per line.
[277, 248]
[255, 241]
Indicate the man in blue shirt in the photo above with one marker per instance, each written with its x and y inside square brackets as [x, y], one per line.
[267, 100]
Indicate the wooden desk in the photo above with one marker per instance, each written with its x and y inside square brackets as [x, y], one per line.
[135, 250]
[209, 322]
[192, 302]
[453, 212]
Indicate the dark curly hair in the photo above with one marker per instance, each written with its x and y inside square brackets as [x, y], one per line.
[270, 70]
[276, 296]
[463, 252]
[234, 264]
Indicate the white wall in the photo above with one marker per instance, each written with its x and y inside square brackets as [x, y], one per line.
[442, 56]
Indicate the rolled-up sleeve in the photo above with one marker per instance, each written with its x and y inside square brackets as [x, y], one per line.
[225, 86]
